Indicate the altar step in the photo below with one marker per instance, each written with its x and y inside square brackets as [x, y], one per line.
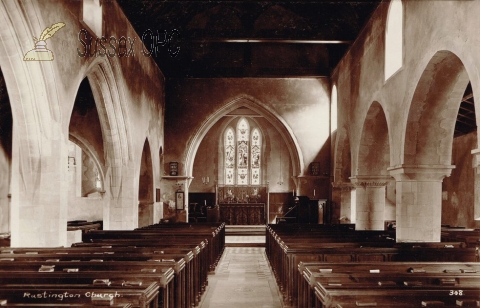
[244, 230]
[244, 236]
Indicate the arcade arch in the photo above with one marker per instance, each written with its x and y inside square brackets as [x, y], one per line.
[372, 176]
[145, 188]
[427, 150]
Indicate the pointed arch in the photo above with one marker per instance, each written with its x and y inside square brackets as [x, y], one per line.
[145, 187]
[113, 118]
[270, 115]
[37, 139]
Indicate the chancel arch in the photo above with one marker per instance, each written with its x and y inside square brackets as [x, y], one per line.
[269, 115]
[265, 160]
[427, 152]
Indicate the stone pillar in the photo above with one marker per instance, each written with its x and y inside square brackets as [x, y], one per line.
[342, 196]
[120, 210]
[419, 201]
[476, 197]
[39, 189]
[370, 202]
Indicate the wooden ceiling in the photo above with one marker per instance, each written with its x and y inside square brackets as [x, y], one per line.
[249, 38]
[466, 121]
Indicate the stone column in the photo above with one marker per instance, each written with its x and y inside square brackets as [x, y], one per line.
[342, 195]
[39, 189]
[419, 201]
[476, 197]
[120, 210]
[370, 202]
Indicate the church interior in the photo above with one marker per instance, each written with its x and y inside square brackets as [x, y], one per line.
[341, 133]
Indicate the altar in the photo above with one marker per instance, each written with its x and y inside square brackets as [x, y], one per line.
[242, 205]
[242, 213]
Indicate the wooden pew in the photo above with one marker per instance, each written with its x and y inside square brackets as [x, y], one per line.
[412, 297]
[384, 276]
[152, 239]
[191, 270]
[159, 234]
[155, 243]
[114, 279]
[111, 261]
[313, 243]
[33, 305]
[86, 272]
[363, 254]
[139, 296]
[217, 229]
[196, 269]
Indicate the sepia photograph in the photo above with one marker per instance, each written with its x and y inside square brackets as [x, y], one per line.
[239, 153]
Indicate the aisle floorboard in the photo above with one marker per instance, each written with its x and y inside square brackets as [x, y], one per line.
[243, 278]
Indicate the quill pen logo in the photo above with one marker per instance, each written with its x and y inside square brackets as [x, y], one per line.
[40, 52]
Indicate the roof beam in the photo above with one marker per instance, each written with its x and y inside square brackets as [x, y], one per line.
[269, 41]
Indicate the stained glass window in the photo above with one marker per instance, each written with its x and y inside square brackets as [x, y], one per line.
[243, 157]
[229, 156]
[243, 133]
[256, 142]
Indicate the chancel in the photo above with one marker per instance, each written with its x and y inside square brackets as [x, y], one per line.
[239, 153]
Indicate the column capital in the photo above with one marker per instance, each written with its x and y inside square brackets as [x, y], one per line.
[476, 159]
[370, 180]
[429, 173]
[343, 186]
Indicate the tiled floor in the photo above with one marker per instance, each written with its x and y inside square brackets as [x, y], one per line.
[242, 279]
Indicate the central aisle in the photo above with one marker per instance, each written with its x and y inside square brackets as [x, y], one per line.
[242, 279]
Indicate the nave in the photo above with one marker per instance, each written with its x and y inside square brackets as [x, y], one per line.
[242, 278]
[179, 265]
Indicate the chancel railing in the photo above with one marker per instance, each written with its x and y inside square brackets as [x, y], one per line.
[242, 205]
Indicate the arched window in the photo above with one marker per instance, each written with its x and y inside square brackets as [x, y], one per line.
[256, 143]
[229, 144]
[394, 38]
[333, 110]
[242, 152]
